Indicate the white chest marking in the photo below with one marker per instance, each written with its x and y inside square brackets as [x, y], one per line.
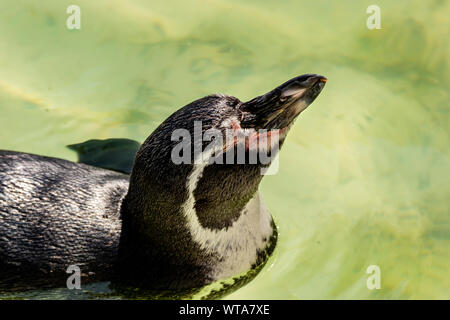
[236, 245]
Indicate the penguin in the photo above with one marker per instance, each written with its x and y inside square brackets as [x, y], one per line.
[168, 226]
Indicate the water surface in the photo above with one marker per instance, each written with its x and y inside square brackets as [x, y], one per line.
[363, 175]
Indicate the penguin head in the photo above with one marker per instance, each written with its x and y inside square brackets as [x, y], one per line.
[279, 108]
[181, 158]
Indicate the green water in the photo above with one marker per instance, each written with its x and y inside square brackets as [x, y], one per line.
[363, 175]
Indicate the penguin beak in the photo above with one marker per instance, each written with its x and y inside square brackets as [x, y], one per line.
[280, 107]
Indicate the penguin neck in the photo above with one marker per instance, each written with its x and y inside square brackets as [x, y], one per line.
[242, 236]
[163, 221]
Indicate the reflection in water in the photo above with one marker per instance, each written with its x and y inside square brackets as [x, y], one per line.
[363, 174]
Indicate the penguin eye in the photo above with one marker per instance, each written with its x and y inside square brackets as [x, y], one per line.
[283, 98]
[292, 92]
[294, 89]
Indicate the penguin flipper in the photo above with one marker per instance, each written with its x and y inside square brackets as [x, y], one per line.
[113, 154]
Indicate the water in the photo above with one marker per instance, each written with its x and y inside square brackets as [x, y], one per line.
[363, 175]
